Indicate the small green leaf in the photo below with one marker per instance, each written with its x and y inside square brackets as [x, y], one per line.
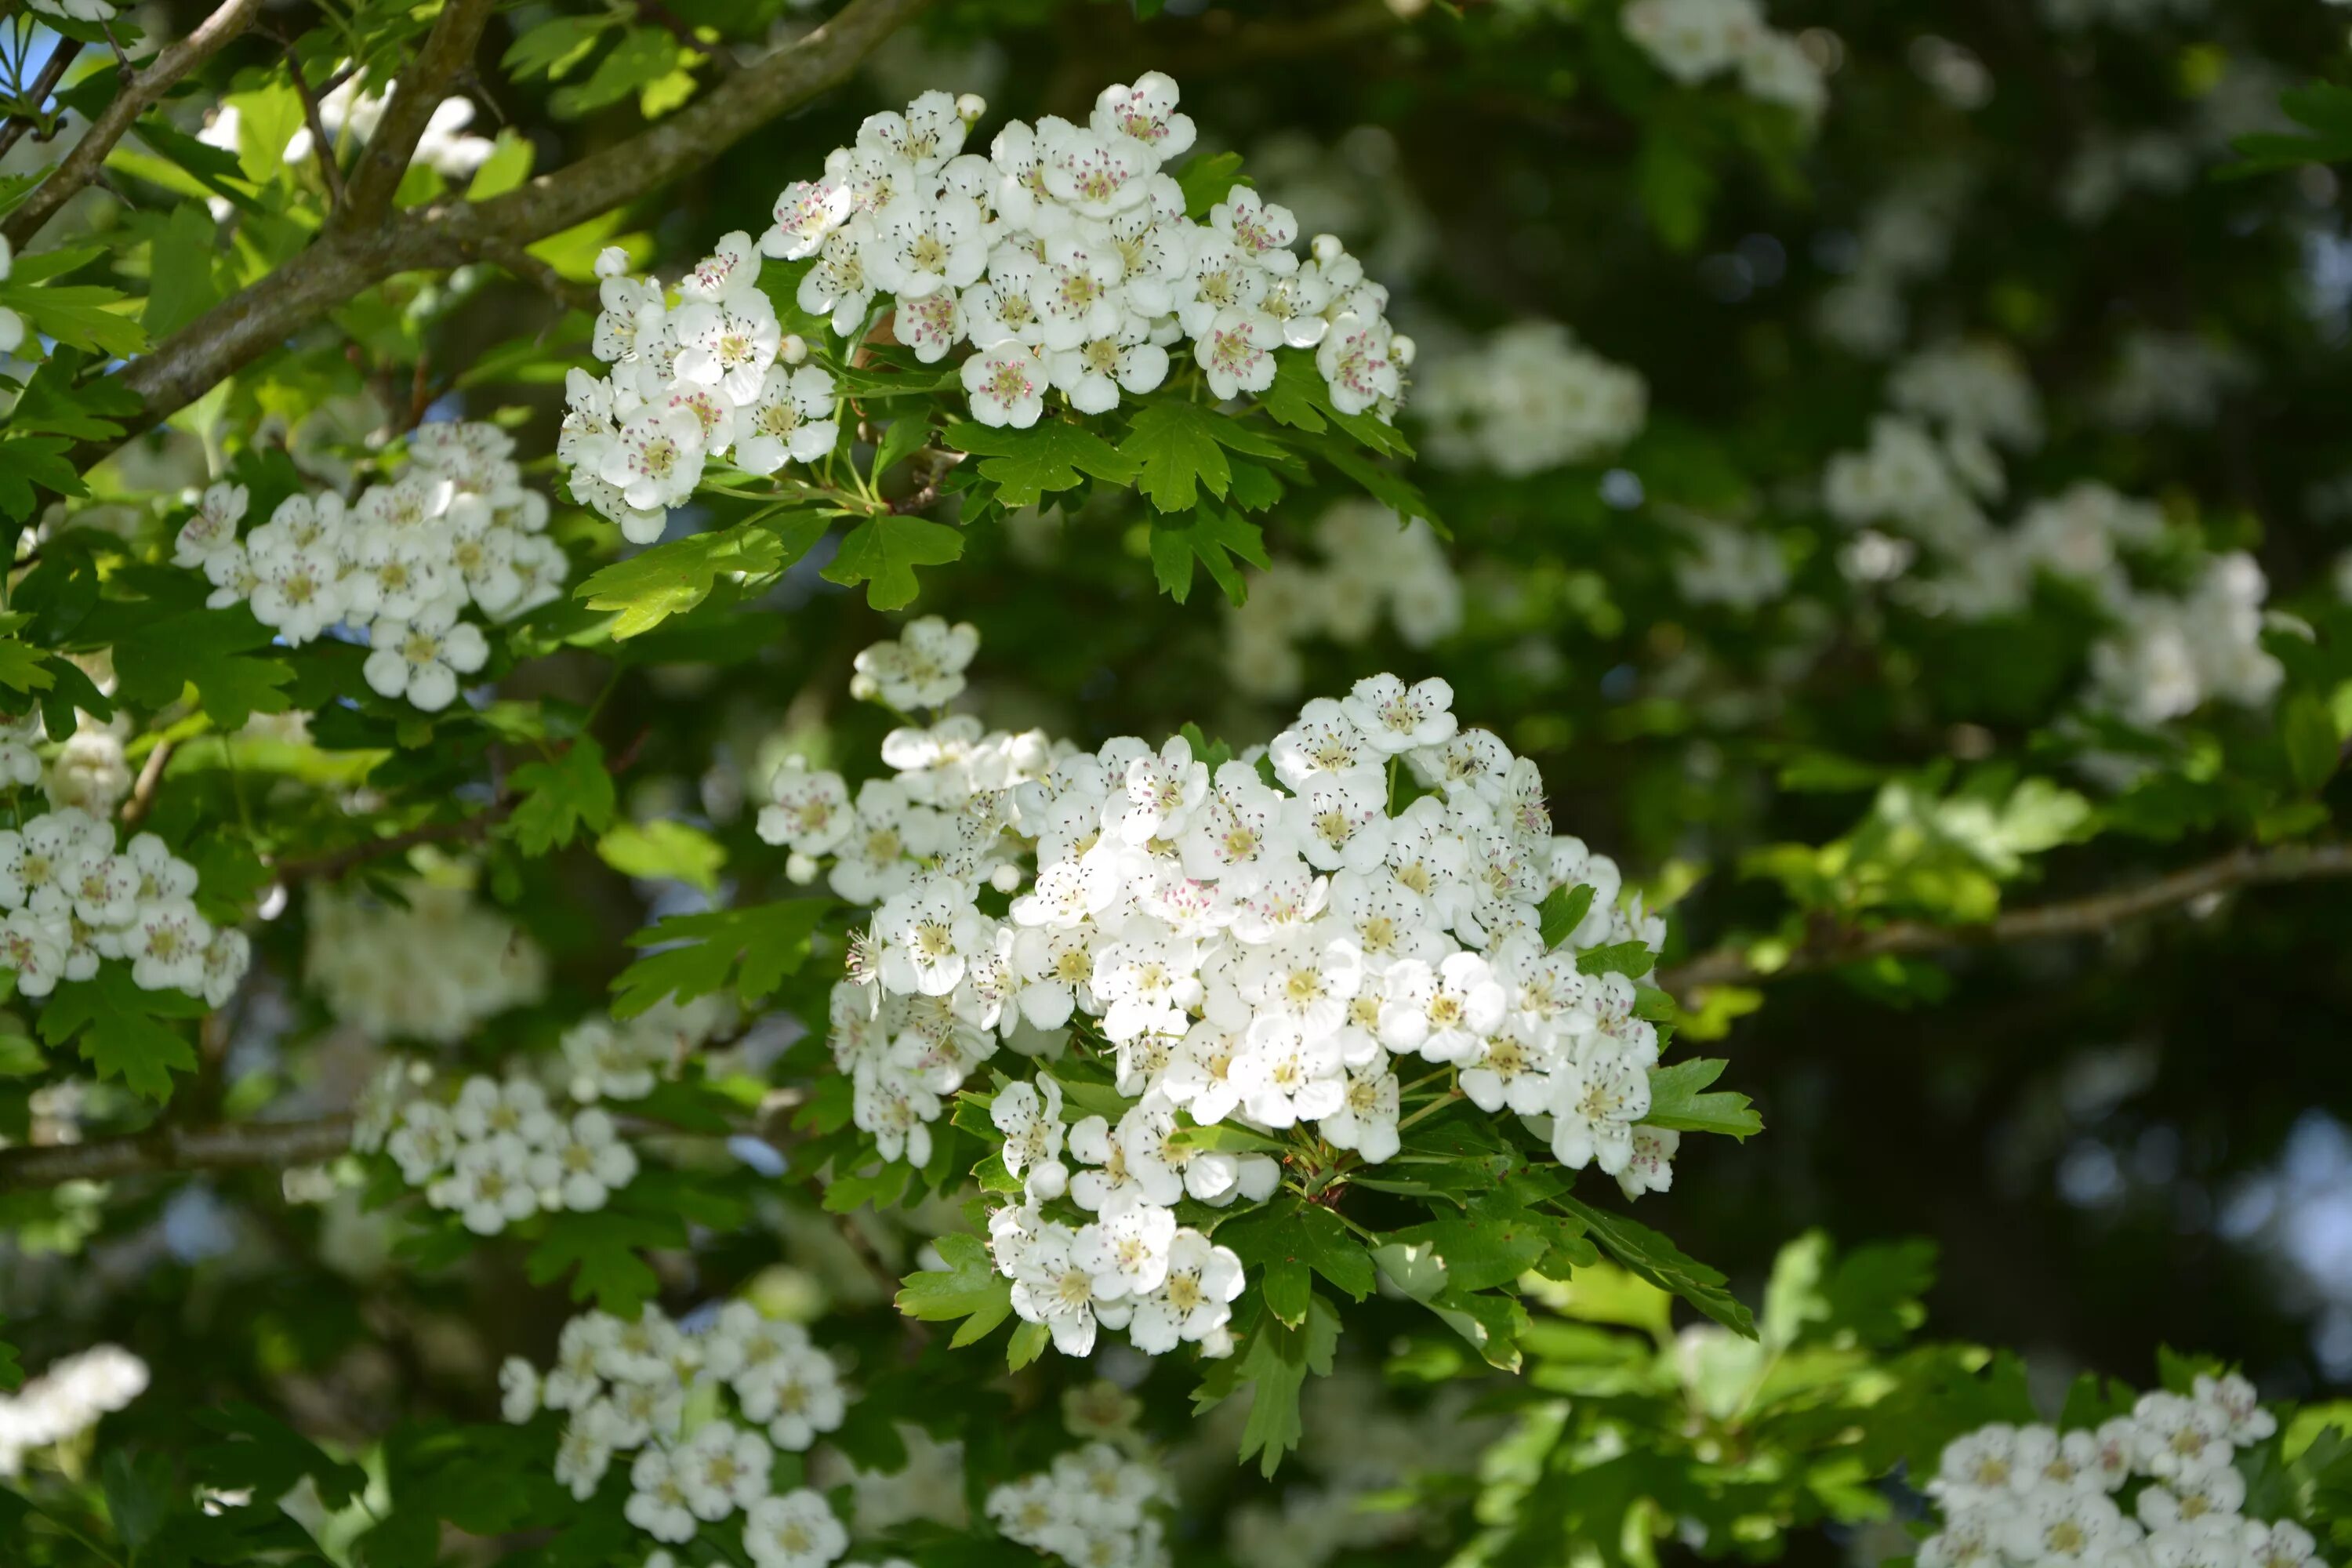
[1562, 911]
[1207, 179]
[2313, 746]
[664, 849]
[699, 952]
[672, 578]
[1289, 1287]
[1028, 1343]
[1212, 536]
[1663, 1264]
[1675, 1101]
[562, 796]
[883, 552]
[116, 1023]
[1052, 455]
[1632, 958]
[600, 1250]
[969, 1287]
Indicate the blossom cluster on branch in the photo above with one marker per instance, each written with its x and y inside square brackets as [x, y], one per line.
[1064, 260]
[453, 529]
[75, 898]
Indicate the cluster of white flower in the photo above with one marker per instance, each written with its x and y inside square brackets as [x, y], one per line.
[1691, 40]
[67, 1400]
[1976, 384]
[1905, 238]
[2167, 655]
[1743, 567]
[12, 325]
[2171, 378]
[2022, 1497]
[624, 1059]
[503, 1151]
[429, 971]
[1095, 1508]
[1370, 567]
[74, 899]
[348, 114]
[1529, 398]
[652, 1387]
[1064, 258]
[454, 527]
[1260, 943]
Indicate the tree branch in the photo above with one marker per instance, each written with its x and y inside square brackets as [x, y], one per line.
[250, 324]
[416, 94]
[133, 95]
[2100, 912]
[333, 865]
[53, 71]
[238, 1146]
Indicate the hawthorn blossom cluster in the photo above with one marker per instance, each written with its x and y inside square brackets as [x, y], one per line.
[2158, 1487]
[1095, 1507]
[1262, 943]
[1529, 398]
[450, 529]
[429, 971]
[1693, 40]
[349, 115]
[1372, 569]
[704, 1415]
[1905, 238]
[67, 1400]
[1928, 488]
[74, 898]
[1063, 259]
[504, 1151]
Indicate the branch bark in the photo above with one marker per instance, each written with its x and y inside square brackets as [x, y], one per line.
[133, 95]
[249, 324]
[2091, 916]
[238, 1146]
[417, 92]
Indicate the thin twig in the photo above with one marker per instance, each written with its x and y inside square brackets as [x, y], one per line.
[2090, 916]
[53, 71]
[448, 48]
[134, 95]
[450, 233]
[330, 866]
[143, 793]
[238, 1146]
[331, 168]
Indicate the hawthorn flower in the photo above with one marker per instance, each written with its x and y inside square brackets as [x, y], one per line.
[1366, 1119]
[34, 946]
[1032, 1125]
[1144, 113]
[729, 344]
[657, 1497]
[917, 247]
[167, 941]
[1393, 717]
[1095, 175]
[1007, 384]
[1359, 363]
[1126, 1249]
[1650, 1167]
[420, 658]
[1236, 352]
[795, 1530]
[791, 418]
[722, 1469]
[1441, 1014]
[1598, 1095]
[1257, 228]
[840, 287]
[656, 458]
[586, 1162]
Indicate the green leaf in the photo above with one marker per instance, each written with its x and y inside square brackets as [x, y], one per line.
[1632, 958]
[1275, 1362]
[1675, 1100]
[2313, 746]
[1212, 537]
[643, 56]
[883, 552]
[116, 1023]
[1663, 1264]
[258, 1451]
[23, 669]
[79, 315]
[672, 578]
[555, 47]
[139, 1493]
[207, 649]
[562, 796]
[1028, 1343]
[663, 848]
[507, 167]
[1288, 1286]
[969, 1287]
[27, 461]
[179, 286]
[1562, 911]
[1051, 454]
[600, 1251]
[1206, 179]
[1176, 453]
[771, 940]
